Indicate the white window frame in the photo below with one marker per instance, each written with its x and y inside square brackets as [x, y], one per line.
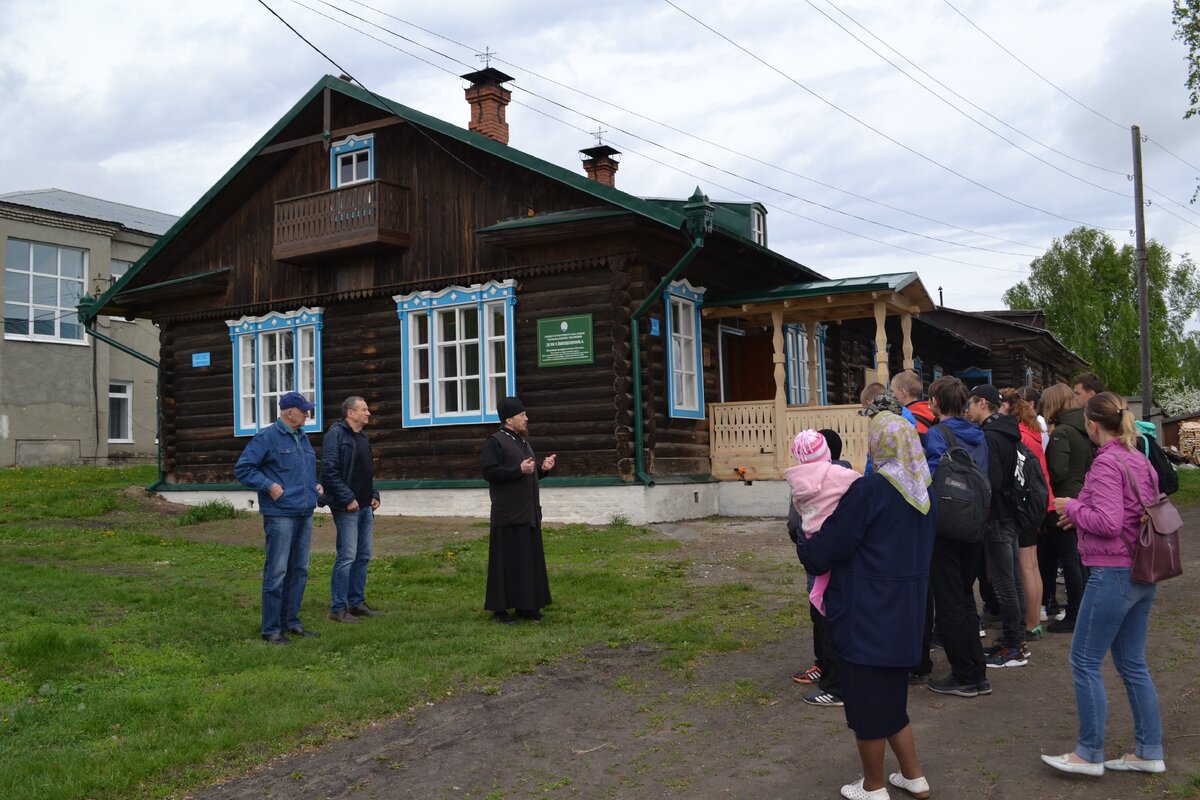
[60, 314]
[685, 362]
[434, 394]
[758, 226]
[795, 347]
[124, 392]
[352, 150]
[255, 402]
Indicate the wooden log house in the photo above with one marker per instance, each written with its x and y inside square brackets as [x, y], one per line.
[365, 248]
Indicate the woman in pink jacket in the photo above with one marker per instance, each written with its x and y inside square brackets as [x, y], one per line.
[1115, 612]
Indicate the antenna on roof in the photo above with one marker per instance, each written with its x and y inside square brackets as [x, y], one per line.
[486, 56]
[599, 134]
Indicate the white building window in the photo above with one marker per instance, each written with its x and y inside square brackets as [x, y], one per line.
[795, 346]
[758, 226]
[117, 269]
[273, 355]
[685, 389]
[120, 412]
[458, 353]
[43, 284]
[352, 161]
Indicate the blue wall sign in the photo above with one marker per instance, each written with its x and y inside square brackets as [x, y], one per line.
[201, 359]
[654, 329]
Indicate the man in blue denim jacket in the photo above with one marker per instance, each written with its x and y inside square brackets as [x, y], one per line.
[280, 464]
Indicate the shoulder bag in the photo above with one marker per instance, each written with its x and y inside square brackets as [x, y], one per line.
[1156, 556]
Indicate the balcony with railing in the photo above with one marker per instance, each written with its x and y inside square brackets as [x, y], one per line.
[364, 215]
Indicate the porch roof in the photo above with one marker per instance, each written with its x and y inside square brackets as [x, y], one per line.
[827, 301]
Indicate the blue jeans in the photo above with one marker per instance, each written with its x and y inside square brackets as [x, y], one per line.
[348, 586]
[1114, 615]
[285, 571]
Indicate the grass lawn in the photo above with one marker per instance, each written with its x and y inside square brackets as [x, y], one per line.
[130, 663]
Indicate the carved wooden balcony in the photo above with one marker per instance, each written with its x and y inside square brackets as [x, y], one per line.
[365, 215]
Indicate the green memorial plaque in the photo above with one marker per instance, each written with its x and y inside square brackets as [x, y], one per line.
[563, 341]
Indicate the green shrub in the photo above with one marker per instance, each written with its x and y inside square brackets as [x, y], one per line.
[208, 511]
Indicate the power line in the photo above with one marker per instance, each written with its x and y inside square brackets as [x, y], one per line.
[950, 105]
[1123, 173]
[654, 143]
[878, 132]
[786, 210]
[674, 129]
[1048, 82]
[1172, 155]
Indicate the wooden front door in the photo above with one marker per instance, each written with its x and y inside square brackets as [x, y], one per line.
[749, 373]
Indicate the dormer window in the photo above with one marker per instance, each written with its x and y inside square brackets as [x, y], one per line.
[758, 226]
[352, 161]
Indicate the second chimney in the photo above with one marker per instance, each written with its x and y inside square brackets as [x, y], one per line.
[600, 164]
[488, 100]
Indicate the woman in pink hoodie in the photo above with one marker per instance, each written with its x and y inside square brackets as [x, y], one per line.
[1114, 614]
[817, 486]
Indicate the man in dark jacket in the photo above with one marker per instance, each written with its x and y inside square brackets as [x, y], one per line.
[348, 474]
[1002, 433]
[516, 562]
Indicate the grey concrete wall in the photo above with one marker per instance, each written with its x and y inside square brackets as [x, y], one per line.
[54, 395]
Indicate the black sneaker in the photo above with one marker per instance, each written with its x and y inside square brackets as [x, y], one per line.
[823, 699]
[918, 678]
[984, 687]
[950, 685]
[1064, 625]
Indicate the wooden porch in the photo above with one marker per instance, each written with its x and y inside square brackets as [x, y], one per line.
[744, 436]
[751, 439]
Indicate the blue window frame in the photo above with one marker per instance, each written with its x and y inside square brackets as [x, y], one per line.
[457, 346]
[685, 368]
[352, 160]
[795, 347]
[272, 355]
[974, 376]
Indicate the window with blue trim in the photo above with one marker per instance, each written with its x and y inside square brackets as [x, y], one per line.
[685, 389]
[458, 353]
[352, 161]
[795, 347]
[272, 355]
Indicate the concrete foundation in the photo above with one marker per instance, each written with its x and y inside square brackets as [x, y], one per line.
[594, 505]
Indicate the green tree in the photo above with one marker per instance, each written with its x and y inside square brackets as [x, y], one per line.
[1186, 16]
[1087, 287]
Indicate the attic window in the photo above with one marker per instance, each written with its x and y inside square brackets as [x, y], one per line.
[352, 161]
[758, 226]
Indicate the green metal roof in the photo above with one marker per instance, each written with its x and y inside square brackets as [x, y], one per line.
[554, 217]
[650, 210]
[894, 282]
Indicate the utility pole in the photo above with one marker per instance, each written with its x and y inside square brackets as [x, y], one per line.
[1139, 220]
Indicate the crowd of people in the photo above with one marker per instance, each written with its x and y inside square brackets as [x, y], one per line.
[1000, 489]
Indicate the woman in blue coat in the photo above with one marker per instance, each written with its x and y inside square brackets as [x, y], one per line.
[876, 547]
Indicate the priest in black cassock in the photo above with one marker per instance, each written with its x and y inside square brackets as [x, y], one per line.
[516, 562]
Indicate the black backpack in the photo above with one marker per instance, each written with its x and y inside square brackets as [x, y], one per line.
[963, 492]
[1030, 495]
[1168, 481]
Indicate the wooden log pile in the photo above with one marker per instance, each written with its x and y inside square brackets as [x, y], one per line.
[1189, 440]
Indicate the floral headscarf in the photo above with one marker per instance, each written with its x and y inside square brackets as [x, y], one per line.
[896, 453]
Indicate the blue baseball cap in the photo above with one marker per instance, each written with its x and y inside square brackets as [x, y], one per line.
[295, 400]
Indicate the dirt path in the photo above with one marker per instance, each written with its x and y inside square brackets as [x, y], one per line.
[612, 724]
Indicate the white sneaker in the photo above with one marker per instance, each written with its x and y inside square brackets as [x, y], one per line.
[1042, 614]
[1060, 616]
[855, 791]
[917, 787]
[1127, 764]
[1064, 763]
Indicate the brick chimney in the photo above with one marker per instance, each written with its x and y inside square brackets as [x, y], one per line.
[600, 164]
[488, 100]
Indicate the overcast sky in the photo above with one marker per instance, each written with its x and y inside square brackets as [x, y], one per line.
[862, 170]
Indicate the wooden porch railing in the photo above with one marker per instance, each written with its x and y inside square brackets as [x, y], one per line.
[742, 435]
[374, 212]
